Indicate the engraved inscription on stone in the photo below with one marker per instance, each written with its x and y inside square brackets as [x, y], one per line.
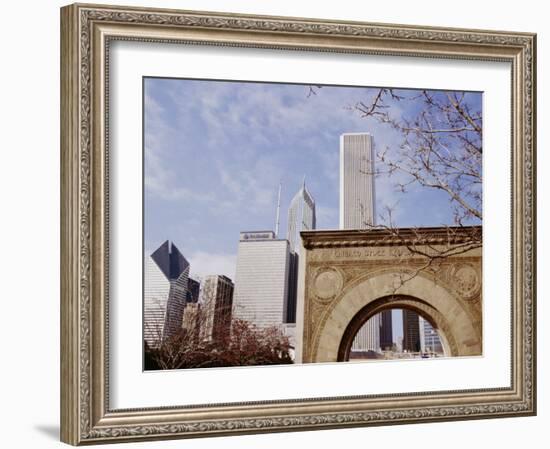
[365, 253]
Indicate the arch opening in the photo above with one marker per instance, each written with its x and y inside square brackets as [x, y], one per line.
[396, 327]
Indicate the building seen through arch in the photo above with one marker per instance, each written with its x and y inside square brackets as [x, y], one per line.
[412, 337]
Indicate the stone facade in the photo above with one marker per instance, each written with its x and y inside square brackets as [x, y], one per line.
[348, 276]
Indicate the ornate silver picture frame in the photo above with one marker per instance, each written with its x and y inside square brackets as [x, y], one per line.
[88, 33]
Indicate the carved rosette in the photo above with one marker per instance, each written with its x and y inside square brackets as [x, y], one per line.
[327, 284]
[466, 280]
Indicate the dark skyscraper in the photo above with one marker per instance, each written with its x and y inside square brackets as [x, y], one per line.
[411, 331]
[217, 299]
[386, 330]
[193, 290]
[165, 291]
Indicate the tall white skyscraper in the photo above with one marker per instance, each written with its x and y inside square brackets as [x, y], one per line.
[261, 279]
[301, 217]
[368, 337]
[357, 210]
[165, 289]
[356, 181]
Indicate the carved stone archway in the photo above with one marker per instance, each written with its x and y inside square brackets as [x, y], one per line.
[346, 276]
[435, 318]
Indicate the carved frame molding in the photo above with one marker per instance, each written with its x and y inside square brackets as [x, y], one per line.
[87, 31]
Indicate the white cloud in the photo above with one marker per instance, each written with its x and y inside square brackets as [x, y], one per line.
[249, 190]
[262, 113]
[160, 181]
[204, 263]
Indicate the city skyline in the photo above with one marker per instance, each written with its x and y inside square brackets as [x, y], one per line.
[238, 138]
[220, 149]
[172, 300]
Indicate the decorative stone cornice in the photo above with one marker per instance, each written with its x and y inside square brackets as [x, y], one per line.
[393, 237]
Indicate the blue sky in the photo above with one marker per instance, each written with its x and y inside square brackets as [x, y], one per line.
[215, 151]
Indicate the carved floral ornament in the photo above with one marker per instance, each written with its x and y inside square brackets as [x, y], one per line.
[328, 282]
[85, 391]
[466, 279]
[461, 275]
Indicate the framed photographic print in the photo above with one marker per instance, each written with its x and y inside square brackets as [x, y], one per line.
[281, 224]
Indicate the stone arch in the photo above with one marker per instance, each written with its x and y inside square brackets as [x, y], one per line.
[438, 322]
[377, 292]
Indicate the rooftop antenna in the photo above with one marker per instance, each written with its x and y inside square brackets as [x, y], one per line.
[304, 182]
[278, 211]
